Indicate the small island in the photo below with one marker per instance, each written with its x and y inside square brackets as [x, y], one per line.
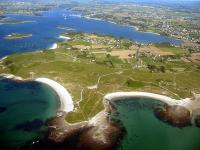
[65, 28]
[15, 22]
[17, 36]
[2, 17]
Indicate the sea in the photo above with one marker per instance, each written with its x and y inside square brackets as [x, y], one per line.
[24, 110]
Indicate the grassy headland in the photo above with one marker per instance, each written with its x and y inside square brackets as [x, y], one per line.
[91, 65]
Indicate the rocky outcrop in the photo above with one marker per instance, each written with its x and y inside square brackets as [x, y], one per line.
[174, 115]
[197, 121]
[30, 125]
[98, 134]
[100, 138]
[196, 116]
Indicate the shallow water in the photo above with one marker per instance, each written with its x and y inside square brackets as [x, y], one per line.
[25, 107]
[45, 31]
[145, 132]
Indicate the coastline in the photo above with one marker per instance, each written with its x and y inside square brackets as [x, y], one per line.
[12, 77]
[127, 25]
[177, 113]
[65, 38]
[3, 58]
[67, 105]
[101, 127]
[65, 28]
[66, 102]
[137, 29]
[187, 102]
[54, 46]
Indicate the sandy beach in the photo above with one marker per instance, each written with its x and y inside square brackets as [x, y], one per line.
[3, 58]
[54, 46]
[66, 103]
[10, 76]
[65, 38]
[189, 103]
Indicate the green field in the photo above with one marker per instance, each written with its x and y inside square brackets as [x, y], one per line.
[168, 48]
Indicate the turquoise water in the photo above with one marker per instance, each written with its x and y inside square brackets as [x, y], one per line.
[145, 132]
[24, 109]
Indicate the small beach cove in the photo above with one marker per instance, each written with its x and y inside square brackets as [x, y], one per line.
[141, 126]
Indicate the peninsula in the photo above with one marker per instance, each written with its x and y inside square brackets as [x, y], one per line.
[93, 75]
[111, 65]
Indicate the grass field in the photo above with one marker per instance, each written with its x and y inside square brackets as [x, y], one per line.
[168, 48]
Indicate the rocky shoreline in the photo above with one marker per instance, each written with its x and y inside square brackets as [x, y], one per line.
[99, 133]
[177, 116]
[178, 113]
[103, 133]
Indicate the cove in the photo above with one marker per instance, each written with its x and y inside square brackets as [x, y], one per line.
[144, 131]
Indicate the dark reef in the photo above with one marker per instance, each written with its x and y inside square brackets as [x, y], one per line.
[197, 121]
[30, 125]
[104, 135]
[197, 117]
[79, 140]
[2, 109]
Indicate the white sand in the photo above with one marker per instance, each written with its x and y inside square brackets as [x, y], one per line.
[3, 58]
[64, 37]
[10, 76]
[54, 46]
[188, 103]
[66, 103]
